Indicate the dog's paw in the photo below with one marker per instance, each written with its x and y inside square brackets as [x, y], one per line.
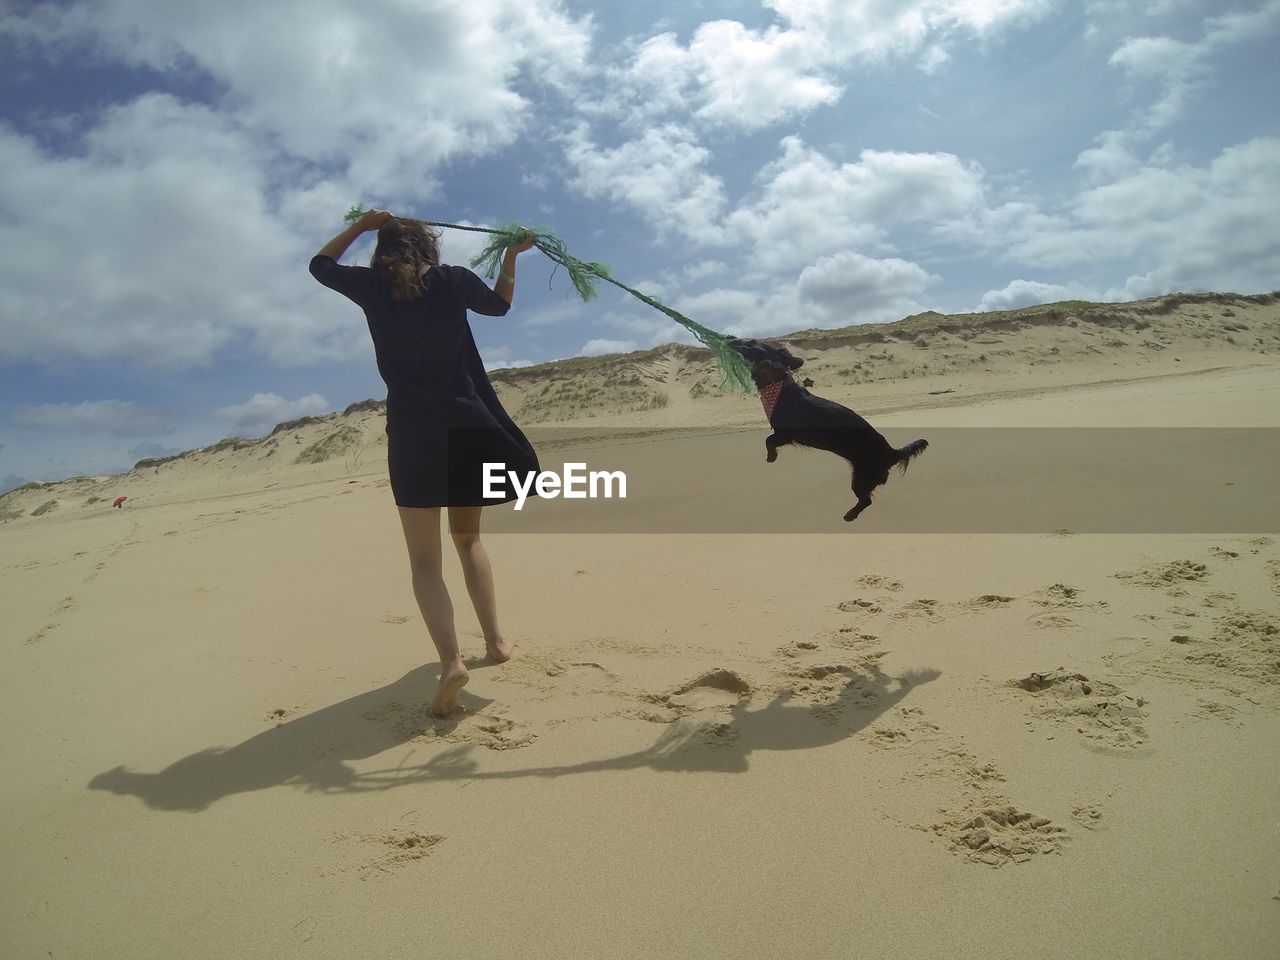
[771, 456]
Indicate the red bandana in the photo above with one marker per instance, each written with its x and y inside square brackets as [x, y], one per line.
[769, 396]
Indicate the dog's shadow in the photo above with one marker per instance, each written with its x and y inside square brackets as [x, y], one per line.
[725, 744]
[315, 751]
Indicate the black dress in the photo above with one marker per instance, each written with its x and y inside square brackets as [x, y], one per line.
[444, 420]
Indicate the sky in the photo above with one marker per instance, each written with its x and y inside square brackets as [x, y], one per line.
[763, 166]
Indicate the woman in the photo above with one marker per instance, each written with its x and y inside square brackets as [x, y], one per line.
[444, 419]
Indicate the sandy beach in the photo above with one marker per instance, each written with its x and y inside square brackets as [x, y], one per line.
[826, 741]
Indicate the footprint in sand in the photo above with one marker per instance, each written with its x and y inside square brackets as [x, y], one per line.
[1212, 710]
[63, 605]
[1003, 834]
[1237, 654]
[1098, 711]
[1051, 621]
[989, 601]
[921, 607]
[713, 690]
[985, 827]
[590, 668]
[482, 729]
[1169, 577]
[978, 776]
[1088, 815]
[798, 649]
[500, 733]
[1243, 644]
[396, 618]
[813, 677]
[908, 726]
[706, 701]
[851, 639]
[586, 674]
[883, 583]
[1218, 601]
[825, 685]
[858, 605]
[1060, 595]
[42, 634]
[396, 850]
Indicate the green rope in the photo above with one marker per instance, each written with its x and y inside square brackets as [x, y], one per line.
[583, 274]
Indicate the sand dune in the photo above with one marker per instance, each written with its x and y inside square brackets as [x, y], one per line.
[708, 744]
[929, 362]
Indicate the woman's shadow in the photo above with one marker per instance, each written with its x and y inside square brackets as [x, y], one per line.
[313, 751]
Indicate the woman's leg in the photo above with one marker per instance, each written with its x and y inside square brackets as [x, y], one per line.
[422, 537]
[464, 525]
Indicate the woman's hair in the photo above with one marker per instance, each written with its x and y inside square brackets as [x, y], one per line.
[404, 249]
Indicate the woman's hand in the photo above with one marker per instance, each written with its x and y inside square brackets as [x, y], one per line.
[506, 285]
[369, 220]
[373, 220]
[525, 241]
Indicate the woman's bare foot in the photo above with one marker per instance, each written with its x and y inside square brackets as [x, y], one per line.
[452, 679]
[500, 650]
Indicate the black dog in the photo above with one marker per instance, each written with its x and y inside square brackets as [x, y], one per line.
[797, 416]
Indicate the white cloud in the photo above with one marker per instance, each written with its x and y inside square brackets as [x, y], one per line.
[809, 206]
[504, 364]
[647, 329]
[599, 347]
[721, 309]
[1113, 157]
[934, 59]
[327, 80]
[662, 176]
[750, 79]
[1178, 226]
[1178, 68]
[1029, 293]
[1241, 25]
[263, 411]
[116, 418]
[841, 289]
[850, 288]
[187, 226]
[133, 223]
[730, 75]
[701, 269]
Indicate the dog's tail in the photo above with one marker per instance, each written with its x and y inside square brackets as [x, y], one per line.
[910, 452]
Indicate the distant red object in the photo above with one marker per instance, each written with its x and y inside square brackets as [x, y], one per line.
[119, 500]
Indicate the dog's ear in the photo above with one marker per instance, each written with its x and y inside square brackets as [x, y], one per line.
[790, 359]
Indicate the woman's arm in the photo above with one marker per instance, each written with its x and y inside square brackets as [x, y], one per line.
[371, 220]
[506, 285]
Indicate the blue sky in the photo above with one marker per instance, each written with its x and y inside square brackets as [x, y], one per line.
[170, 167]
